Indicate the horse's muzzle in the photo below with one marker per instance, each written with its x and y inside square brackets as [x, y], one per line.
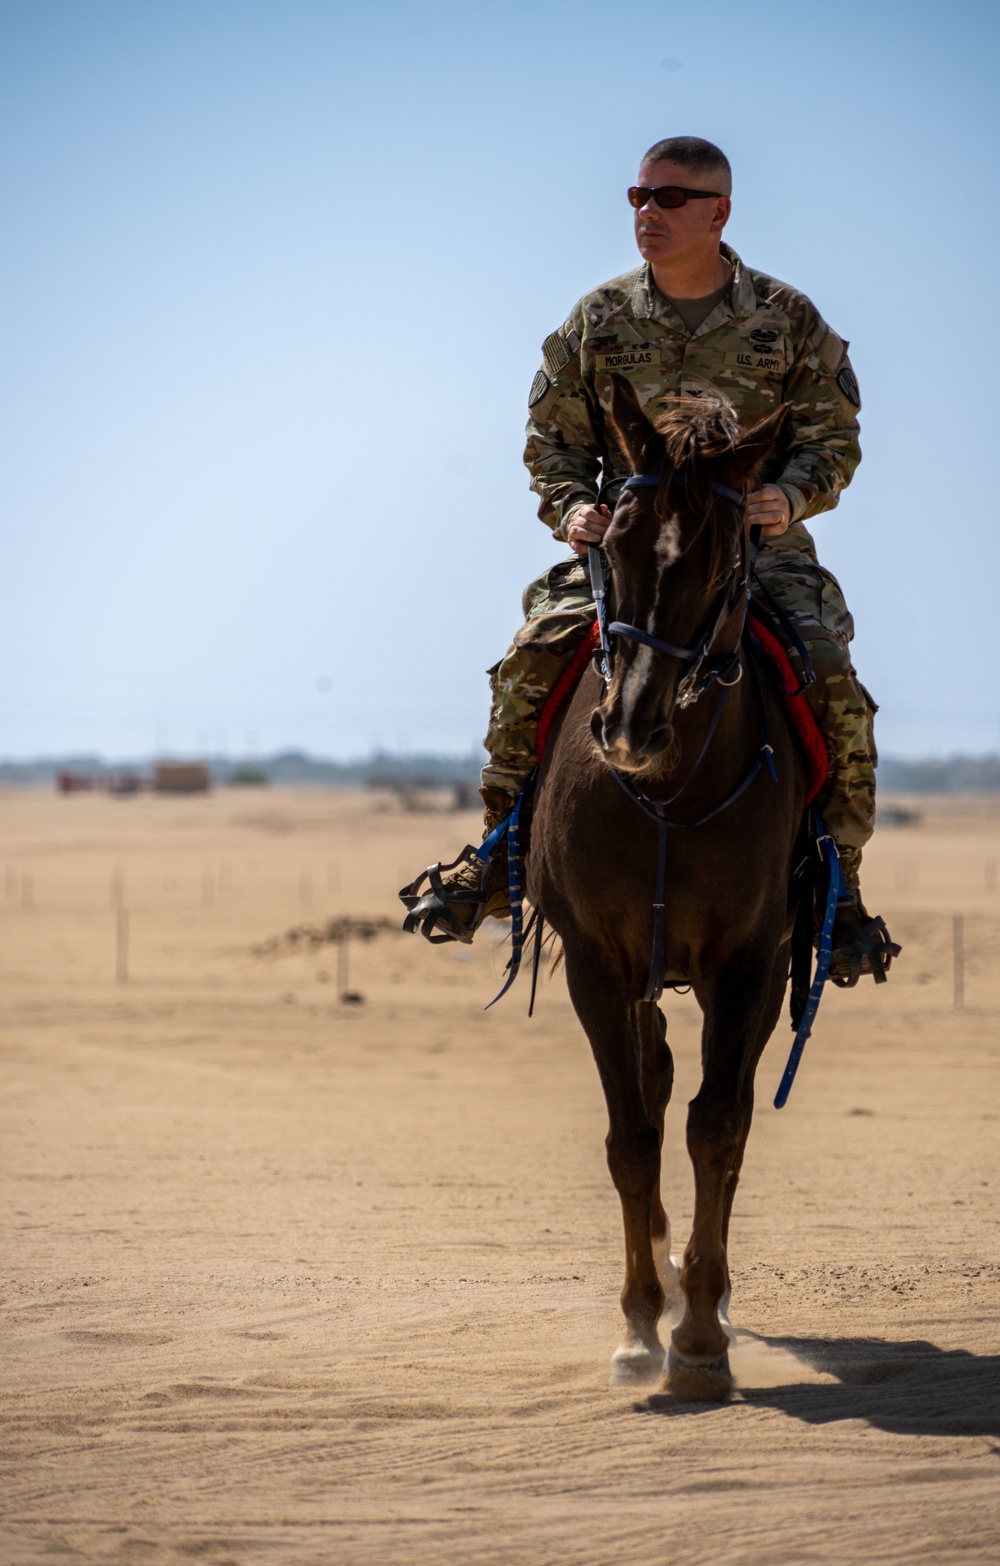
[630, 747]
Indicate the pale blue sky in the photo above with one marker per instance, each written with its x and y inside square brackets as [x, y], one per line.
[275, 275]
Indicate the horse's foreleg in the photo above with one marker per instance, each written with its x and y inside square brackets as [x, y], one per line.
[741, 1007]
[657, 1077]
[769, 1021]
[636, 1073]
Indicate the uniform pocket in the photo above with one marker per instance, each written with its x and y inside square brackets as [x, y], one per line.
[834, 613]
[546, 591]
[872, 707]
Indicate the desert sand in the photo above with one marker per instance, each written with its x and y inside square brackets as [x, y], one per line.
[297, 1279]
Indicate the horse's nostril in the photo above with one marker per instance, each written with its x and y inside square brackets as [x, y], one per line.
[597, 727]
[660, 738]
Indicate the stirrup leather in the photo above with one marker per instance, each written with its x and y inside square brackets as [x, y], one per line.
[431, 907]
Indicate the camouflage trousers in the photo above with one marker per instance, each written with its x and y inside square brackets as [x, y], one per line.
[558, 610]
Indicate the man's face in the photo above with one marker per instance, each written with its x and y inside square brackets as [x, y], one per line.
[668, 234]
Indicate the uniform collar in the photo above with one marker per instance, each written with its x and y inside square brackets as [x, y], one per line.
[650, 305]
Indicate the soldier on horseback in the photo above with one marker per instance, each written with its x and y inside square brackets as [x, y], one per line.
[692, 320]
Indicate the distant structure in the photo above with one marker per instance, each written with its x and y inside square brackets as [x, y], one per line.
[74, 782]
[68, 782]
[181, 777]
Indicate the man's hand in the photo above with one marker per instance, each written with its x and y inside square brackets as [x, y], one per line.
[587, 526]
[769, 508]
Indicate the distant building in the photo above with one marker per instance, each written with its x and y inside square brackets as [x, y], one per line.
[73, 782]
[181, 777]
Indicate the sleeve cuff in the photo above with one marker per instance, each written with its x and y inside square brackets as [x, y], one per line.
[573, 505]
[796, 500]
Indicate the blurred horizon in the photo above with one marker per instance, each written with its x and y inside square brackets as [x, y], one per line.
[275, 281]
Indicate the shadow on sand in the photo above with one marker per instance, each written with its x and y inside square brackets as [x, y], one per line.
[907, 1388]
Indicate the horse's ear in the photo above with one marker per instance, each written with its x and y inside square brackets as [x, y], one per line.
[630, 424]
[755, 445]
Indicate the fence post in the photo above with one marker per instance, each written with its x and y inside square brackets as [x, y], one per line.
[121, 945]
[342, 966]
[958, 960]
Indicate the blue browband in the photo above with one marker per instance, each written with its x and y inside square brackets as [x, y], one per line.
[693, 658]
[645, 480]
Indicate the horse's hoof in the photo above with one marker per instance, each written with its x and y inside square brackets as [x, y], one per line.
[698, 1381]
[636, 1366]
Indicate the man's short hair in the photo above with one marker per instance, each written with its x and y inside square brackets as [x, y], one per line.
[703, 158]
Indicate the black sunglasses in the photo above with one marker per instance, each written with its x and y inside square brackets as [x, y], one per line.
[666, 195]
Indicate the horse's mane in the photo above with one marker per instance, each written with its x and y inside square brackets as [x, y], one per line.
[696, 430]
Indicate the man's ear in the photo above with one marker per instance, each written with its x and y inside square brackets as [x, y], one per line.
[751, 449]
[630, 424]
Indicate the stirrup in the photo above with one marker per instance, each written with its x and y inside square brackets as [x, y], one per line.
[870, 950]
[432, 907]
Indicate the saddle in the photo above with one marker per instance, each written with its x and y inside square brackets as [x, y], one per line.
[871, 948]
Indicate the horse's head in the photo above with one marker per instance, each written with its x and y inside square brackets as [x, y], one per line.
[679, 555]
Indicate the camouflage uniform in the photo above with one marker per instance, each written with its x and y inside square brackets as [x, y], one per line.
[762, 345]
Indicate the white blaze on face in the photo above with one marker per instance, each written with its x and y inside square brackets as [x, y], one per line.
[668, 545]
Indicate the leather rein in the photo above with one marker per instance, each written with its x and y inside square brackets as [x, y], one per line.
[700, 672]
[693, 658]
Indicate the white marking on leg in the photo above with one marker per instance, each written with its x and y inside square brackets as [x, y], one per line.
[724, 1320]
[669, 1273]
[637, 1364]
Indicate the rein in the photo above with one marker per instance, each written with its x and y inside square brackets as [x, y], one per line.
[690, 688]
[693, 658]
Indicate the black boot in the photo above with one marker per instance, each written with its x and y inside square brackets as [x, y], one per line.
[861, 943]
[461, 895]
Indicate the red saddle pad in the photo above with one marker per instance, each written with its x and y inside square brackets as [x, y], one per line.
[799, 712]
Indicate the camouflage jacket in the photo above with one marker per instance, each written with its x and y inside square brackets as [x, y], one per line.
[763, 345]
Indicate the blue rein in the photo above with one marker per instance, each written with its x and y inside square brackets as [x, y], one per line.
[654, 808]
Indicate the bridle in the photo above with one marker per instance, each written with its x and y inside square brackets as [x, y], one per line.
[699, 670]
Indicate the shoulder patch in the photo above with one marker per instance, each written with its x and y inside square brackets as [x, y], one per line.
[555, 352]
[539, 387]
[848, 383]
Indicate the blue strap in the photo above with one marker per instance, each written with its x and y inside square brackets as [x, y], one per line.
[488, 844]
[636, 634]
[512, 826]
[645, 480]
[658, 956]
[823, 954]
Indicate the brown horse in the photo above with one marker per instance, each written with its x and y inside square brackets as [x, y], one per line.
[688, 729]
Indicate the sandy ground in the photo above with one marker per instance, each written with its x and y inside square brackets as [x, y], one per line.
[298, 1280]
